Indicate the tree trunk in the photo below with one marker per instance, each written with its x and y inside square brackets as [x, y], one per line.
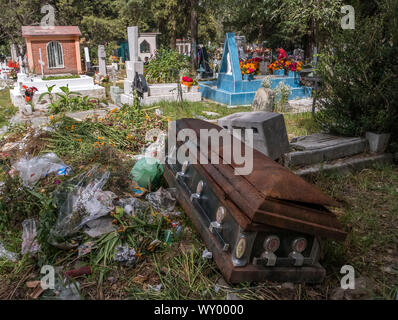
[173, 37]
[194, 34]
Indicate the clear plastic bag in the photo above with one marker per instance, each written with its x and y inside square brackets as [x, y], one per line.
[155, 149]
[133, 205]
[34, 169]
[67, 290]
[163, 200]
[5, 254]
[81, 200]
[206, 254]
[29, 233]
[125, 255]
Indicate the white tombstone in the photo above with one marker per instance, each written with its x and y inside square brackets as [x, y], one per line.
[87, 58]
[135, 64]
[101, 60]
[20, 62]
[14, 52]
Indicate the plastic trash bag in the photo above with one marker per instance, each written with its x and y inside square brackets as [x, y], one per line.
[66, 290]
[34, 169]
[5, 254]
[3, 130]
[29, 233]
[99, 227]
[133, 205]
[206, 254]
[81, 200]
[147, 172]
[155, 149]
[100, 204]
[163, 200]
[125, 255]
[155, 288]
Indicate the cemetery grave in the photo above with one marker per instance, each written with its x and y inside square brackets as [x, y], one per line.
[231, 90]
[155, 92]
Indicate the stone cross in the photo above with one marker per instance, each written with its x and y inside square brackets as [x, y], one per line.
[41, 62]
[134, 65]
[101, 60]
[132, 33]
[113, 76]
[87, 58]
[13, 52]
[20, 64]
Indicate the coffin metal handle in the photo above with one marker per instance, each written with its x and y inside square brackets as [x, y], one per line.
[183, 171]
[199, 190]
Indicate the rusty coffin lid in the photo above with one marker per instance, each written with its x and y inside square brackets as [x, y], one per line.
[270, 195]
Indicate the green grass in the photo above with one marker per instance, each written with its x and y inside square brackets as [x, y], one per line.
[7, 110]
[370, 206]
[174, 110]
[61, 77]
[300, 124]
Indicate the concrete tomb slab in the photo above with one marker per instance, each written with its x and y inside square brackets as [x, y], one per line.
[269, 130]
[320, 147]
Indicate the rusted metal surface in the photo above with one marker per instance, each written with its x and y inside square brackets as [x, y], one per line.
[306, 274]
[271, 194]
[269, 203]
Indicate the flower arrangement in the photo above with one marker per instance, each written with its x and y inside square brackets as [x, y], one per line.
[250, 66]
[29, 92]
[13, 65]
[288, 65]
[295, 66]
[114, 59]
[187, 81]
[14, 69]
[277, 65]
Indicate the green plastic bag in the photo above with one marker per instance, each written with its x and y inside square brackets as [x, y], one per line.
[147, 172]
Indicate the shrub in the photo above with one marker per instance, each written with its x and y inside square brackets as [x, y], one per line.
[165, 66]
[359, 76]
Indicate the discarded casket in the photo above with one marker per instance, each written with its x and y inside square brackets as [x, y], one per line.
[265, 225]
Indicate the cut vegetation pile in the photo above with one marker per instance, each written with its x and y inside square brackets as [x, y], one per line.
[152, 251]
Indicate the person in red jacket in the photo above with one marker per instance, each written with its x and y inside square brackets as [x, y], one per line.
[281, 54]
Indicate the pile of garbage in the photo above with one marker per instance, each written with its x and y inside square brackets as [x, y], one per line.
[90, 217]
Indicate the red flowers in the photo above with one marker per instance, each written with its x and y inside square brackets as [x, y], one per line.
[187, 79]
[14, 65]
[29, 92]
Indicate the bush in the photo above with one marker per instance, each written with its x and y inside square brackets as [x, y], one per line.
[359, 76]
[162, 68]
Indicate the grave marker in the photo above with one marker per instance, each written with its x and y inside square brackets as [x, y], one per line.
[101, 60]
[87, 58]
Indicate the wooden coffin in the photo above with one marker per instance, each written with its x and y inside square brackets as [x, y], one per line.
[269, 204]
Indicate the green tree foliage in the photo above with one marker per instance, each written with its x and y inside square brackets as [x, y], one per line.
[359, 71]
